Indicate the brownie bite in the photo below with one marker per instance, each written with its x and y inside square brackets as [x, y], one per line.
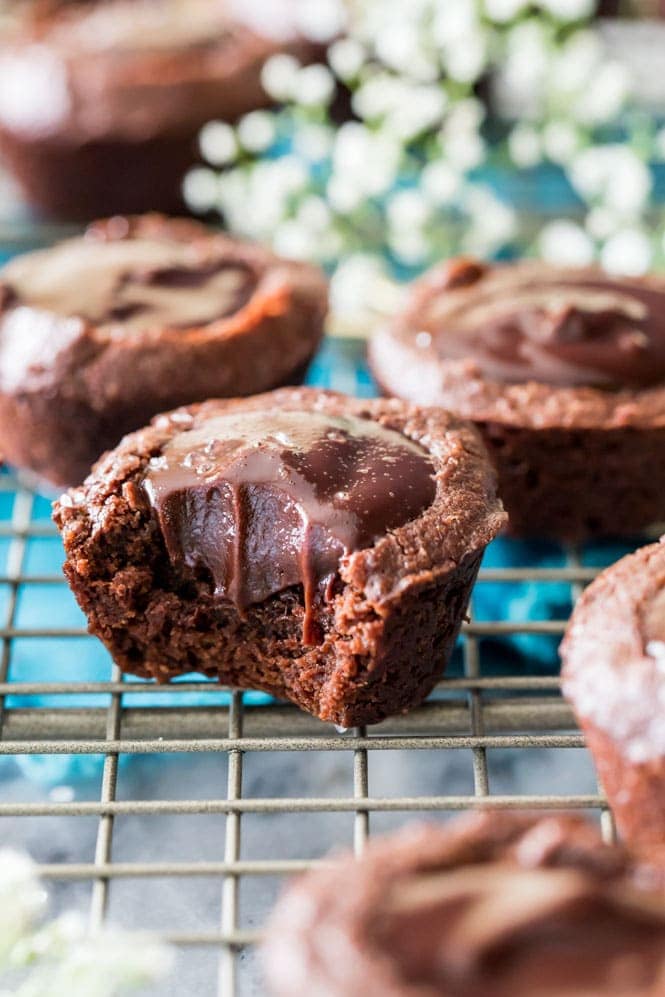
[614, 678]
[101, 104]
[315, 546]
[489, 905]
[563, 372]
[140, 315]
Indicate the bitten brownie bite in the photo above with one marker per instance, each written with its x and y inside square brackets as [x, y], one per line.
[490, 905]
[101, 104]
[614, 678]
[563, 372]
[318, 547]
[140, 315]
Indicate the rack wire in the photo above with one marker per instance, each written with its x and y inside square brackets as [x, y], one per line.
[472, 713]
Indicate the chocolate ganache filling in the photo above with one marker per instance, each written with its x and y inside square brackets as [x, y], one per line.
[559, 327]
[137, 283]
[496, 928]
[265, 500]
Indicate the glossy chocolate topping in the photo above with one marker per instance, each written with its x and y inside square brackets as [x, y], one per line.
[560, 327]
[496, 928]
[265, 500]
[138, 283]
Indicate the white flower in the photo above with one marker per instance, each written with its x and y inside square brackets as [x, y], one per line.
[347, 57]
[313, 142]
[569, 10]
[315, 86]
[524, 145]
[560, 141]
[601, 222]
[410, 247]
[503, 10]
[464, 149]
[440, 181]
[574, 65]
[200, 189]
[293, 240]
[466, 59]
[605, 95]
[526, 62]
[491, 222]
[453, 20]
[22, 898]
[322, 20]
[279, 77]
[564, 243]
[613, 175]
[420, 112]
[407, 210]
[360, 289]
[344, 195]
[217, 142]
[398, 46]
[256, 131]
[369, 160]
[629, 251]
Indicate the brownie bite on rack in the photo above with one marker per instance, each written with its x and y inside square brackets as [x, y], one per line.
[314, 546]
[490, 905]
[614, 678]
[562, 370]
[139, 315]
[103, 102]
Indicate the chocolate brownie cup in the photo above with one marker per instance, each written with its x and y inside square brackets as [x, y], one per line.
[315, 546]
[101, 103]
[562, 370]
[614, 678]
[490, 905]
[100, 333]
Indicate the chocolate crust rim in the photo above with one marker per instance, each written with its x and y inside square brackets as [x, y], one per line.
[604, 650]
[458, 384]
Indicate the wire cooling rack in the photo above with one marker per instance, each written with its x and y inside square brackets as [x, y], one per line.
[261, 790]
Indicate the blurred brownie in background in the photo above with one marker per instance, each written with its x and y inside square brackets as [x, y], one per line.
[101, 103]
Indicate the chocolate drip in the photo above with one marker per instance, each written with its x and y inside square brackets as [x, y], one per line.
[562, 327]
[267, 500]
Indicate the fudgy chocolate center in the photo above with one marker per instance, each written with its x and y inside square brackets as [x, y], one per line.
[135, 283]
[266, 500]
[558, 327]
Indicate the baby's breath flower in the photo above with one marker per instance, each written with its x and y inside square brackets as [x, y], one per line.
[218, 144]
[315, 86]
[322, 20]
[440, 182]
[613, 175]
[256, 131]
[201, 189]
[346, 58]
[279, 76]
[524, 145]
[561, 141]
[629, 251]
[569, 10]
[502, 11]
[564, 243]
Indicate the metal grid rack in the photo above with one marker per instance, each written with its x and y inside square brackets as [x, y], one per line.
[474, 715]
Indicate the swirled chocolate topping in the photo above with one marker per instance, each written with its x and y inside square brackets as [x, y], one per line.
[266, 500]
[532, 322]
[138, 283]
[559, 928]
